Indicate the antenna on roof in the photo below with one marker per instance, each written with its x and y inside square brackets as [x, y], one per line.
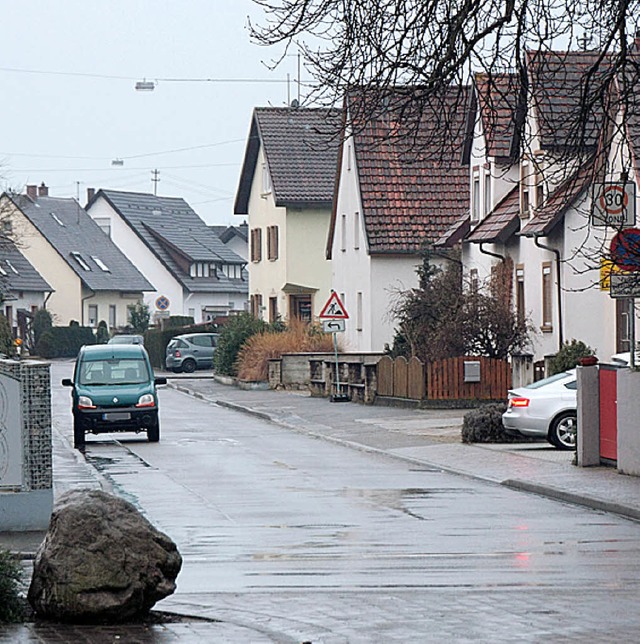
[155, 179]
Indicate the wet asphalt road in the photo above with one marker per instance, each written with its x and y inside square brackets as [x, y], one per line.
[307, 540]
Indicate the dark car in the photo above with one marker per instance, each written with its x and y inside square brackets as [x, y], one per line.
[114, 390]
[191, 351]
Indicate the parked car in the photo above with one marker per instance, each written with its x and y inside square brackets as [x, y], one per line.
[114, 390]
[191, 351]
[126, 339]
[546, 408]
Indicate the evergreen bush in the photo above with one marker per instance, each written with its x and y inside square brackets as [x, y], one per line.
[484, 425]
[42, 322]
[11, 604]
[569, 356]
[6, 337]
[64, 341]
[235, 333]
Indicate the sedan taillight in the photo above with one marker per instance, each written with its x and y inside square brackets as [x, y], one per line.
[518, 402]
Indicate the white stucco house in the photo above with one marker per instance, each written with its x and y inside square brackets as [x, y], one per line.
[530, 215]
[89, 278]
[391, 200]
[286, 193]
[193, 272]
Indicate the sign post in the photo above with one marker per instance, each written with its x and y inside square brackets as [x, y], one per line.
[333, 316]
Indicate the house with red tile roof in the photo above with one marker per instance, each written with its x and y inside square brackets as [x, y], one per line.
[401, 185]
[286, 194]
[531, 202]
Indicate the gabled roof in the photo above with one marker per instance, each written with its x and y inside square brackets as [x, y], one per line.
[499, 96]
[177, 236]
[95, 259]
[559, 201]
[502, 222]
[17, 274]
[413, 184]
[241, 231]
[564, 89]
[302, 155]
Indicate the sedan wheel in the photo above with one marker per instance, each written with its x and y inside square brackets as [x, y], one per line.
[564, 430]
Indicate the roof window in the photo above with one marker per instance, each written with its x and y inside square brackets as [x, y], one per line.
[100, 264]
[11, 266]
[2, 271]
[56, 218]
[78, 257]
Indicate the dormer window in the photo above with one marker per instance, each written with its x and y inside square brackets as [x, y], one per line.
[201, 269]
[83, 264]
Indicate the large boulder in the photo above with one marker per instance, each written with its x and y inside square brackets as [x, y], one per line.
[101, 561]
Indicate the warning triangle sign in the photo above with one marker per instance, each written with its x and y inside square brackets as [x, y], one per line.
[334, 308]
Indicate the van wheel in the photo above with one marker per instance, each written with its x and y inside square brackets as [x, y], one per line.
[153, 433]
[189, 365]
[78, 435]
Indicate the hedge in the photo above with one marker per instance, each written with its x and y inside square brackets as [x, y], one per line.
[64, 341]
[156, 340]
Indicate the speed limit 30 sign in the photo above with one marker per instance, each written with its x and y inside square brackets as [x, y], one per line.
[614, 204]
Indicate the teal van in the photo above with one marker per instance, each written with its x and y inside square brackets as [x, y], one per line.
[114, 390]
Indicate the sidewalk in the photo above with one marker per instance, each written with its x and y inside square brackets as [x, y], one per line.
[430, 437]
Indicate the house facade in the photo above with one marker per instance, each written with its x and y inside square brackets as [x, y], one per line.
[90, 279]
[286, 192]
[390, 202]
[531, 206]
[194, 273]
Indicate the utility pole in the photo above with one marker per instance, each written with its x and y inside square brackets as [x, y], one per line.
[155, 179]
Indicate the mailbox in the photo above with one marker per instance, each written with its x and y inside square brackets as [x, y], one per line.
[472, 371]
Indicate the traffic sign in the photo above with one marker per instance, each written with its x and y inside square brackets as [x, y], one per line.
[333, 325]
[162, 303]
[625, 249]
[614, 204]
[625, 285]
[334, 308]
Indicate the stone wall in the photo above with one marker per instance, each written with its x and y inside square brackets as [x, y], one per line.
[27, 504]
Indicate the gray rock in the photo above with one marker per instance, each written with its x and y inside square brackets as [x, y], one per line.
[101, 561]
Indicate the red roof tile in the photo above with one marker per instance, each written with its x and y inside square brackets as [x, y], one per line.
[501, 222]
[413, 185]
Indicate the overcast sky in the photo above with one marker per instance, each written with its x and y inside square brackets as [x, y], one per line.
[66, 125]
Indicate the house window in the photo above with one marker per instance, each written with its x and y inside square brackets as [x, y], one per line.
[547, 298]
[300, 307]
[105, 224]
[356, 230]
[343, 233]
[475, 198]
[81, 261]
[473, 280]
[520, 304]
[539, 185]
[112, 316]
[525, 201]
[272, 243]
[256, 306]
[256, 244]
[93, 315]
[623, 340]
[8, 312]
[273, 309]
[358, 311]
[487, 194]
[267, 186]
[7, 227]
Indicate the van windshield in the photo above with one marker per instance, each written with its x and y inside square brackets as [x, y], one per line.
[125, 371]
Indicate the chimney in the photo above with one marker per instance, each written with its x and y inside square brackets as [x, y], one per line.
[43, 191]
[32, 192]
[90, 193]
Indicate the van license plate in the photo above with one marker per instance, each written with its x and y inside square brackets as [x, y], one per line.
[116, 415]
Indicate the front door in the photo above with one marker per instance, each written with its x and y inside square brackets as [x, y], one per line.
[301, 307]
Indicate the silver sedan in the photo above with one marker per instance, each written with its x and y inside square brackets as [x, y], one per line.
[546, 408]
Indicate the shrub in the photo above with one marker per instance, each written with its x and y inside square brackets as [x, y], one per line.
[253, 358]
[64, 341]
[484, 425]
[42, 322]
[6, 337]
[11, 603]
[139, 316]
[235, 333]
[569, 356]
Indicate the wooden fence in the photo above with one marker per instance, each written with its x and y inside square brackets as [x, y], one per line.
[463, 378]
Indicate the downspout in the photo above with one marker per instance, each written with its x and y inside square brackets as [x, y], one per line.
[46, 299]
[488, 252]
[82, 301]
[556, 252]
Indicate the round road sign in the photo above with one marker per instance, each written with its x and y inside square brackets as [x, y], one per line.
[162, 303]
[625, 249]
